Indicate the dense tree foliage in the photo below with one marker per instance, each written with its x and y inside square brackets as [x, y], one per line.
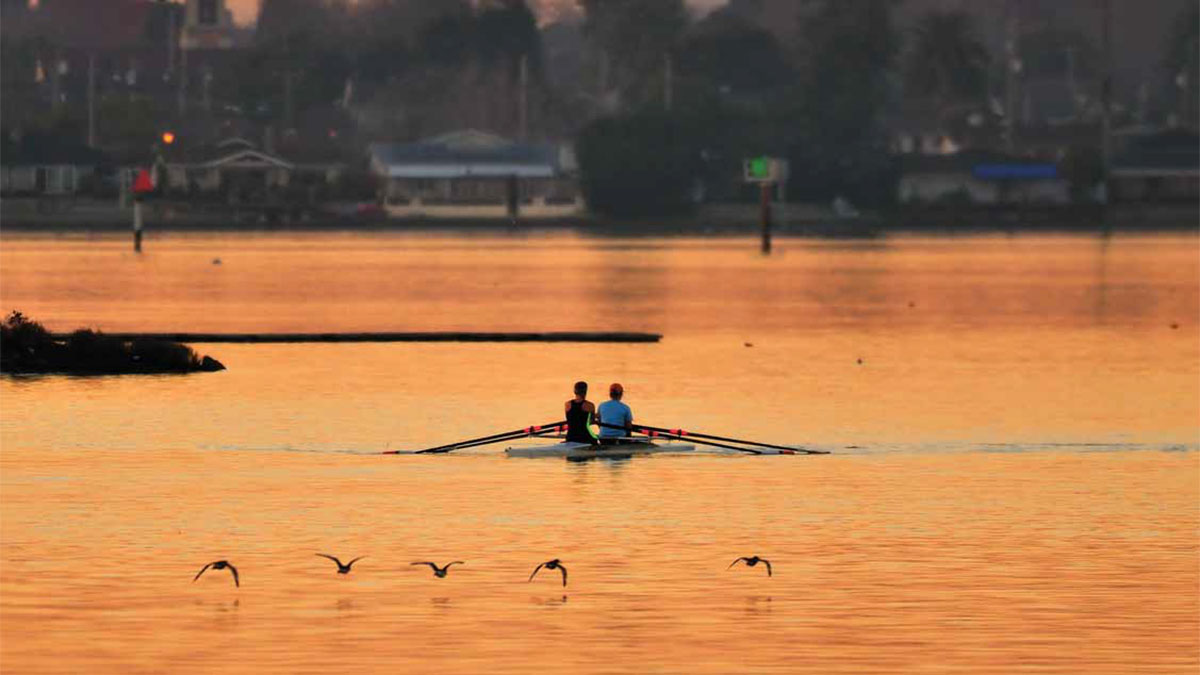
[640, 164]
[733, 56]
[839, 146]
[947, 60]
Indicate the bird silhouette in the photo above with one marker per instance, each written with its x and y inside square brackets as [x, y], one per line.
[220, 565]
[439, 572]
[551, 565]
[342, 568]
[751, 562]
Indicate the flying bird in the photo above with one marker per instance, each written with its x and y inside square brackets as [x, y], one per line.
[551, 565]
[220, 565]
[439, 572]
[751, 562]
[342, 568]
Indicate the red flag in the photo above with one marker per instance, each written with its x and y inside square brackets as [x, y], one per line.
[142, 183]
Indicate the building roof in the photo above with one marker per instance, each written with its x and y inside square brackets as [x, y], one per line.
[464, 153]
[230, 152]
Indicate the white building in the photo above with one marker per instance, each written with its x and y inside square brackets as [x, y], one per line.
[973, 177]
[472, 174]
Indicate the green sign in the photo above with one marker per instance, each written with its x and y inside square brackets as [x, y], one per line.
[760, 167]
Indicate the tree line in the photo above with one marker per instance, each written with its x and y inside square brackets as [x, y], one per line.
[652, 95]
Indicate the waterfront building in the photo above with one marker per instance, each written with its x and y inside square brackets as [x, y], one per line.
[473, 174]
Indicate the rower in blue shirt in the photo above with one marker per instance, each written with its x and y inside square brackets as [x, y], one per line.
[614, 413]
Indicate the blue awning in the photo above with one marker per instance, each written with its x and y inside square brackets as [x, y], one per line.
[1015, 171]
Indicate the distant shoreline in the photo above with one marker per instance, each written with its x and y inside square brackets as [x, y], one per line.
[23, 215]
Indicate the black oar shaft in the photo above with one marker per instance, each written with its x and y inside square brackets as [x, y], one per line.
[696, 434]
[493, 438]
[473, 444]
[654, 433]
[680, 434]
[660, 434]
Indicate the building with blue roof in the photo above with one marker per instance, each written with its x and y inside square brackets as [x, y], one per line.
[473, 174]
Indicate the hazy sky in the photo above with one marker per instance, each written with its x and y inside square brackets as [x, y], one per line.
[244, 11]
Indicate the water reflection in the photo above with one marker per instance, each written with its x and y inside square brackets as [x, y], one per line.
[1100, 287]
[1074, 550]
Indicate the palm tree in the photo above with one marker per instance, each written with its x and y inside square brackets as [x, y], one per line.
[947, 61]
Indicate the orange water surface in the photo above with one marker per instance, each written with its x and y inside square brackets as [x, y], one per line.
[1014, 484]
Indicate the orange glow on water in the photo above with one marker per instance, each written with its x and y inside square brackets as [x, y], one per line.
[1013, 487]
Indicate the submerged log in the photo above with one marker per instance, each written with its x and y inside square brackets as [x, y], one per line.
[449, 336]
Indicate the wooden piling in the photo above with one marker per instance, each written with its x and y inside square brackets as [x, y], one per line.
[137, 225]
[765, 215]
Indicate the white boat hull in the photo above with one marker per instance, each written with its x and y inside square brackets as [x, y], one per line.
[586, 451]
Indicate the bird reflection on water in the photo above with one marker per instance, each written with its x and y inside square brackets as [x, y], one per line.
[548, 602]
[758, 604]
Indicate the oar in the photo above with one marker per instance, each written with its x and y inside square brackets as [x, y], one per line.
[493, 438]
[657, 434]
[502, 436]
[695, 434]
[513, 437]
[679, 435]
[535, 430]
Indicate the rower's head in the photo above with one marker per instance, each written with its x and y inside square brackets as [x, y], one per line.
[616, 391]
[581, 388]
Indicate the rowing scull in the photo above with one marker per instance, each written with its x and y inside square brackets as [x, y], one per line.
[588, 451]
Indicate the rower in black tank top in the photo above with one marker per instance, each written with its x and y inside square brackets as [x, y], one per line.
[577, 424]
[579, 416]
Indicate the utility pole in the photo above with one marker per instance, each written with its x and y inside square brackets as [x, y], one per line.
[1011, 67]
[1072, 87]
[56, 80]
[603, 79]
[523, 100]
[207, 100]
[1106, 93]
[287, 100]
[171, 40]
[91, 97]
[182, 84]
[1189, 93]
[668, 81]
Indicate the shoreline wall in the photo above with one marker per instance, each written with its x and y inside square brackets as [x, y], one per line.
[709, 219]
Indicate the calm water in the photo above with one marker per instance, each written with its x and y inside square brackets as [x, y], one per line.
[1015, 484]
